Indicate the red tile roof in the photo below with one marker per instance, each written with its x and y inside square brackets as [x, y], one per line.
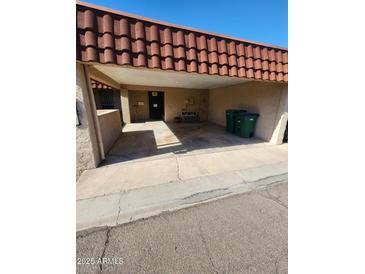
[111, 37]
[98, 85]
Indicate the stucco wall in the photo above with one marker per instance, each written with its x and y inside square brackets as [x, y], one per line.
[110, 126]
[87, 153]
[125, 105]
[175, 101]
[267, 99]
[281, 118]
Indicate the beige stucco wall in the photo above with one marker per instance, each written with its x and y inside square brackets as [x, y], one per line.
[267, 99]
[281, 118]
[174, 101]
[126, 115]
[87, 152]
[110, 125]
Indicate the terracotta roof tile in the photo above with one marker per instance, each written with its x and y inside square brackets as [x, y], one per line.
[285, 68]
[232, 60]
[272, 55]
[248, 51]
[233, 71]
[250, 73]
[264, 54]
[223, 70]
[285, 57]
[279, 67]
[241, 62]
[249, 63]
[257, 52]
[279, 57]
[191, 40]
[272, 66]
[241, 72]
[257, 64]
[99, 85]
[107, 36]
[240, 50]
[232, 48]
[272, 76]
[285, 77]
[265, 65]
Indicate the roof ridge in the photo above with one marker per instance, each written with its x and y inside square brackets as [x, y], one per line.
[134, 16]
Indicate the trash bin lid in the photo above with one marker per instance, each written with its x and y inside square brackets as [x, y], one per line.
[249, 114]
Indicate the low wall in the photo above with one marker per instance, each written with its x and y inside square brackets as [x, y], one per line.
[110, 125]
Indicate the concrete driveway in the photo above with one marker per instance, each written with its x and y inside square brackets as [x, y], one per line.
[246, 233]
[154, 153]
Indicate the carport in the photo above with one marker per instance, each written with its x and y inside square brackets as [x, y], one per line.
[162, 72]
[153, 153]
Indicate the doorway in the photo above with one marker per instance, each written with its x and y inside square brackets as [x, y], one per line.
[285, 139]
[156, 104]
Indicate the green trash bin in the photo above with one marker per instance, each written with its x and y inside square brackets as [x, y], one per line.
[230, 118]
[245, 124]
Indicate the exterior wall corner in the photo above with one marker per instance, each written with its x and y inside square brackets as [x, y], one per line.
[87, 151]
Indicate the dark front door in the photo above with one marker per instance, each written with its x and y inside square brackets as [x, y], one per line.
[156, 105]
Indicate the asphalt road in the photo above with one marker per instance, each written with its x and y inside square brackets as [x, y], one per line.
[245, 233]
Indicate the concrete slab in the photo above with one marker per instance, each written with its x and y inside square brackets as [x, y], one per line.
[155, 167]
[155, 153]
[262, 172]
[155, 140]
[214, 163]
[122, 177]
[98, 211]
[149, 201]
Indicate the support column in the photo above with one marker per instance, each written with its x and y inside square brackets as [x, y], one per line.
[124, 99]
[88, 154]
[281, 118]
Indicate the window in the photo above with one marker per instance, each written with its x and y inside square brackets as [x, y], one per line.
[106, 99]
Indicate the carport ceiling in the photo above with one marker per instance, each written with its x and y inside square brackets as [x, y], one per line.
[158, 78]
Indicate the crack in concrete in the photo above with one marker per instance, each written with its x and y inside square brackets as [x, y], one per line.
[265, 178]
[204, 192]
[119, 209]
[104, 249]
[277, 261]
[87, 232]
[202, 201]
[207, 249]
[272, 198]
[177, 169]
